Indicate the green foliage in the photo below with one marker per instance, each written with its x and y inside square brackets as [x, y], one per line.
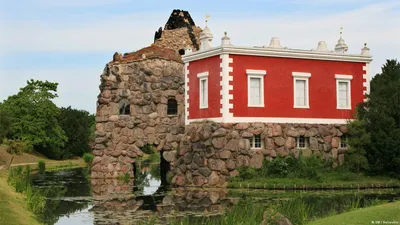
[88, 158]
[359, 139]
[245, 212]
[148, 149]
[5, 124]
[291, 167]
[34, 117]
[380, 118]
[19, 178]
[35, 199]
[42, 166]
[78, 126]
[297, 210]
[17, 146]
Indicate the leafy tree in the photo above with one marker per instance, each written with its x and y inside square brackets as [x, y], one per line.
[359, 140]
[5, 124]
[381, 119]
[77, 125]
[35, 117]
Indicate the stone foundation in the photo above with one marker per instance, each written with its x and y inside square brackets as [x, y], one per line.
[209, 152]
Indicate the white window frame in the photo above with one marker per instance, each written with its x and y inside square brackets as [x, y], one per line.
[260, 75]
[203, 76]
[347, 79]
[305, 77]
[298, 142]
[341, 142]
[253, 142]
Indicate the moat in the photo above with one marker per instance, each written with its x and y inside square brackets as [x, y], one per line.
[149, 202]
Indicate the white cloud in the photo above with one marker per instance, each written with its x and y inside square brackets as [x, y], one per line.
[376, 24]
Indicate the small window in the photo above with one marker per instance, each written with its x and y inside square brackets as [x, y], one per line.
[255, 87]
[203, 93]
[172, 108]
[255, 142]
[203, 89]
[301, 142]
[124, 107]
[343, 141]
[301, 97]
[343, 91]
[343, 94]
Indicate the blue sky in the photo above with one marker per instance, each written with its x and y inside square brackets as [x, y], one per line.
[70, 42]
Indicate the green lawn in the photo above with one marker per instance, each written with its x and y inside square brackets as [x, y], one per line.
[334, 179]
[13, 206]
[388, 213]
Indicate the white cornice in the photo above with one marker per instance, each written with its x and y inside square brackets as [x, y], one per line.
[273, 52]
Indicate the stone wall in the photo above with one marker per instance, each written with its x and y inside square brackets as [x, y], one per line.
[210, 153]
[180, 38]
[180, 32]
[140, 87]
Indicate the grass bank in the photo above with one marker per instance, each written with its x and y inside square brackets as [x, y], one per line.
[306, 173]
[32, 160]
[333, 181]
[13, 208]
[388, 213]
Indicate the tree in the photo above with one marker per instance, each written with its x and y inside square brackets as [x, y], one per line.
[5, 124]
[380, 117]
[359, 140]
[77, 125]
[34, 117]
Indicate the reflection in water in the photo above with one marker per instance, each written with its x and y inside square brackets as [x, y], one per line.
[80, 202]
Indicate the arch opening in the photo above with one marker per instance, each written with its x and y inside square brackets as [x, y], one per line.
[150, 171]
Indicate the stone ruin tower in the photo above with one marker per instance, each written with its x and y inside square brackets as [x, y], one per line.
[141, 100]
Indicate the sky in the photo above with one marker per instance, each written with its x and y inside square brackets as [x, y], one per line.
[70, 42]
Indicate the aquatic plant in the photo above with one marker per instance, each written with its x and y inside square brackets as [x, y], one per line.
[42, 166]
[88, 158]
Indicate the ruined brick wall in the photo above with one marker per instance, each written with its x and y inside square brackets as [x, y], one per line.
[140, 88]
[180, 32]
[210, 153]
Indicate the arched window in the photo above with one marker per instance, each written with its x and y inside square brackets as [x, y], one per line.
[124, 107]
[172, 108]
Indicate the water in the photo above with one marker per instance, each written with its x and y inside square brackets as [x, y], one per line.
[80, 201]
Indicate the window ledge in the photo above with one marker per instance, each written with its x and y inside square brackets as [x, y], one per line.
[301, 107]
[204, 107]
[256, 106]
[343, 108]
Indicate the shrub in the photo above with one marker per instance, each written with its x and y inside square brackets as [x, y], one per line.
[42, 166]
[17, 146]
[88, 158]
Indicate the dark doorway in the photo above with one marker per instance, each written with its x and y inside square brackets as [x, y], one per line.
[164, 169]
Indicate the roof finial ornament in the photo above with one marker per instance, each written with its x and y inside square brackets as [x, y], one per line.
[341, 46]
[365, 50]
[341, 31]
[207, 17]
[225, 39]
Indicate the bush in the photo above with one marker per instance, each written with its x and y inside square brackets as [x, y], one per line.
[17, 146]
[42, 166]
[88, 158]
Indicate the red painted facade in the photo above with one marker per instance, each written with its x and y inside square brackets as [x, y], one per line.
[212, 66]
[278, 87]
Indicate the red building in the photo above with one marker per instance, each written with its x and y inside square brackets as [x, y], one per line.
[273, 84]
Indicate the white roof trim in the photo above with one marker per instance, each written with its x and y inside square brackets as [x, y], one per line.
[343, 77]
[203, 74]
[301, 74]
[256, 72]
[274, 52]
